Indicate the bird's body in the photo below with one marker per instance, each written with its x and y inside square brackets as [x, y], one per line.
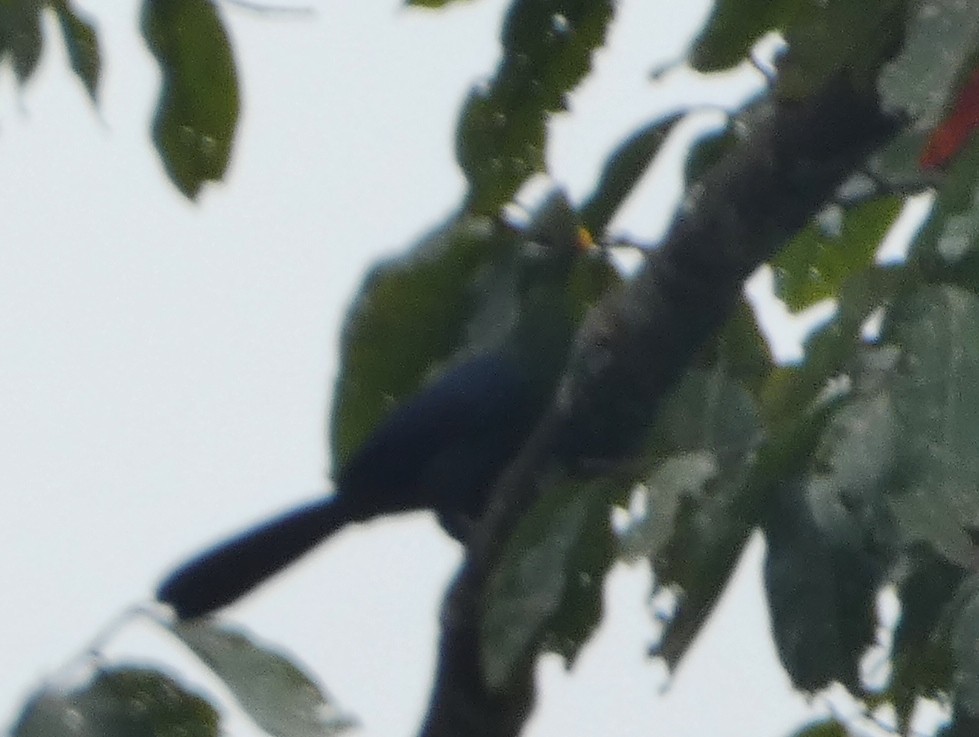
[441, 449]
[434, 445]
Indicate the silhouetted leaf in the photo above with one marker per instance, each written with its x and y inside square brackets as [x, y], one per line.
[815, 264]
[622, 170]
[547, 49]
[429, 3]
[733, 28]
[20, 35]
[965, 652]
[838, 38]
[921, 652]
[710, 429]
[83, 46]
[822, 584]
[829, 728]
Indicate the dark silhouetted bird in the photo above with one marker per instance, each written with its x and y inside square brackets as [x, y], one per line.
[441, 449]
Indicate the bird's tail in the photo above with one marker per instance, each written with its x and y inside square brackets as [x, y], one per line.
[231, 569]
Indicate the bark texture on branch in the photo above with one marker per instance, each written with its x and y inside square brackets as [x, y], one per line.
[639, 341]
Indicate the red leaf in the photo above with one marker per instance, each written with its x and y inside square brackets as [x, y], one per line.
[952, 134]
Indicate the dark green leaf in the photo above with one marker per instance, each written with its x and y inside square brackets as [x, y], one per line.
[791, 391]
[20, 35]
[709, 533]
[830, 728]
[743, 349]
[501, 136]
[828, 535]
[122, 702]
[709, 410]
[830, 38]
[695, 526]
[824, 38]
[679, 478]
[622, 171]
[83, 46]
[411, 314]
[197, 114]
[815, 264]
[822, 583]
[936, 396]
[546, 589]
[920, 82]
[962, 724]
[965, 651]
[275, 693]
[705, 431]
[429, 3]
[947, 246]
[734, 27]
[707, 151]
[921, 652]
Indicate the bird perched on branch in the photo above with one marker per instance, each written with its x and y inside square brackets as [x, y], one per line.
[441, 449]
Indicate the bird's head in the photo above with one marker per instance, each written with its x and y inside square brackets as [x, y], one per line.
[555, 240]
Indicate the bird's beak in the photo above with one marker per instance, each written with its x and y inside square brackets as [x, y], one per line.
[586, 244]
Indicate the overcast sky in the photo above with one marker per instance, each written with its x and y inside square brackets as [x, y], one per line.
[165, 368]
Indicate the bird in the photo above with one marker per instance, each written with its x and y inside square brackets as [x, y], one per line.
[440, 449]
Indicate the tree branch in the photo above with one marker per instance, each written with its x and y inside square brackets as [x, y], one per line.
[638, 342]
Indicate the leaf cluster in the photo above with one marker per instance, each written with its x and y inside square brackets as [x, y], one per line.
[858, 464]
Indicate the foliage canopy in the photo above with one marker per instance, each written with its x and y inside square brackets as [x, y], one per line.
[860, 464]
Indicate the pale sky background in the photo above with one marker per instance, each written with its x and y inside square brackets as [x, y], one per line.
[165, 369]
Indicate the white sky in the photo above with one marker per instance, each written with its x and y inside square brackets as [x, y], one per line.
[165, 369]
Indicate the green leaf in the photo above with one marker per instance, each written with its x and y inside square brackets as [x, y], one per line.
[919, 81]
[705, 431]
[622, 171]
[547, 49]
[743, 349]
[121, 702]
[196, 117]
[546, 588]
[947, 247]
[822, 583]
[825, 38]
[921, 654]
[682, 476]
[815, 264]
[832, 38]
[275, 693]
[734, 27]
[413, 313]
[707, 151]
[828, 728]
[83, 46]
[792, 391]
[708, 431]
[936, 397]
[965, 650]
[962, 724]
[429, 3]
[20, 35]
[828, 535]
